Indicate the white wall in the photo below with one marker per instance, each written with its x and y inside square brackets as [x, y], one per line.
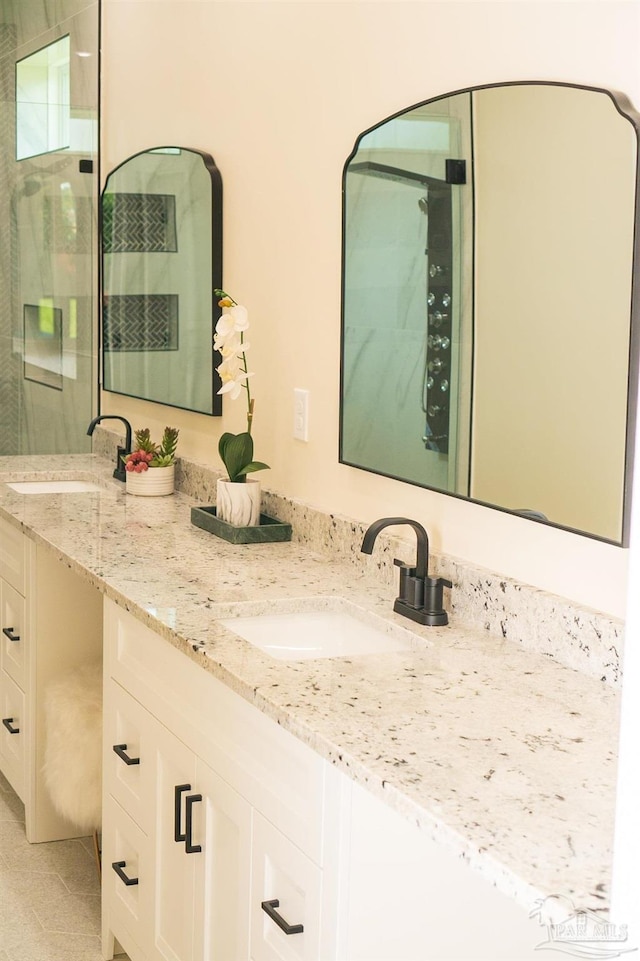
[278, 92]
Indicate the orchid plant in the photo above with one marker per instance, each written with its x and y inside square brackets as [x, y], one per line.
[236, 450]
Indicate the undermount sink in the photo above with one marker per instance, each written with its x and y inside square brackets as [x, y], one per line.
[54, 487]
[314, 634]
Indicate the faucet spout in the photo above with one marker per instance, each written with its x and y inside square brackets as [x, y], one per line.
[422, 560]
[119, 472]
[420, 597]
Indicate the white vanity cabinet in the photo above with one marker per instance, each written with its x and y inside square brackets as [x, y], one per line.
[227, 839]
[14, 567]
[407, 898]
[176, 830]
[210, 809]
[51, 624]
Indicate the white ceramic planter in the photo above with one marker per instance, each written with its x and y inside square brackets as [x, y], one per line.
[155, 482]
[238, 504]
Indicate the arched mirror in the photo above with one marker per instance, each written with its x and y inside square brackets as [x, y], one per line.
[489, 349]
[162, 258]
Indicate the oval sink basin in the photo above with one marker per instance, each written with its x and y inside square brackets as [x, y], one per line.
[313, 634]
[54, 487]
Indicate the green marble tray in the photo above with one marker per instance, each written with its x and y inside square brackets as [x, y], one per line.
[268, 531]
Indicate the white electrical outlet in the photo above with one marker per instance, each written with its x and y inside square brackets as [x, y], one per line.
[300, 414]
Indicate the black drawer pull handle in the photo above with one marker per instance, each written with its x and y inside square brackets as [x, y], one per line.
[120, 750]
[8, 632]
[178, 791]
[189, 846]
[117, 867]
[7, 721]
[269, 907]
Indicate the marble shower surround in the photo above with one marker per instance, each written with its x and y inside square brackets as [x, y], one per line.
[578, 637]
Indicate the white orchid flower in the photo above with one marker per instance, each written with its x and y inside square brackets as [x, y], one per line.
[233, 319]
[229, 345]
[230, 366]
[234, 387]
[233, 376]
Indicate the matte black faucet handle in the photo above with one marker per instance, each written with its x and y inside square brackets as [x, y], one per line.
[409, 568]
[433, 602]
[439, 580]
[411, 589]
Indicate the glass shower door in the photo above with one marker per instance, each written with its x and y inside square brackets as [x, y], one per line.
[48, 223]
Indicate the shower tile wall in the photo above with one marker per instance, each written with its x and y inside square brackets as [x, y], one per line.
[8, 363]
[49, 239]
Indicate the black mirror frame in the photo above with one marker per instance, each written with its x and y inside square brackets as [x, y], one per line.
[625, 108]
[216, 271]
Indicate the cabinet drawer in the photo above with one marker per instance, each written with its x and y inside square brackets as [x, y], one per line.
[13, 638]
[12, 733]
[267, 765]
[283, 876]
[126, 906]
[128, 768]
[12, 556]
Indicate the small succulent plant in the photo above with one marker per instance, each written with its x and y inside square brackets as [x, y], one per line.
[147, 454]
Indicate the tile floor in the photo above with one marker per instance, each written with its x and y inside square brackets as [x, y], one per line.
[49, 893]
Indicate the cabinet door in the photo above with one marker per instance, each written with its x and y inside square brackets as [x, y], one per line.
[176, 853]
[127, 882]
[130, 735]
[12, 620]
[12, 733]
[286, 891]
[222, 826]
[202, 844]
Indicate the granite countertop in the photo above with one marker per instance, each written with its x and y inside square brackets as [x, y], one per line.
[501, 754]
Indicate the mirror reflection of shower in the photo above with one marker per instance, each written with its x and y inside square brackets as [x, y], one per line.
[403, 316]
[436, 384]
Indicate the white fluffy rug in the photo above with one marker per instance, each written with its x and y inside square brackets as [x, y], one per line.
[73, 749]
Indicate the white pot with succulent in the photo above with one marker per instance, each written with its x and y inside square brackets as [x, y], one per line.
[150, 468]
[237, 496]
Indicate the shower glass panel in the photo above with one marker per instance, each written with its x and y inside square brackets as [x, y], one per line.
[402, 303]
[48, 204]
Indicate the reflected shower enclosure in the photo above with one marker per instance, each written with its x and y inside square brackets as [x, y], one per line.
[162, 258]
[401, 349]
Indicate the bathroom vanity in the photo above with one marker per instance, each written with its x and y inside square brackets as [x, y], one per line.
[413, 803]
[51, 623]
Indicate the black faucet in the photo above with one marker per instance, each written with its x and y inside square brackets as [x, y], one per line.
[420, 595]
[119, 472]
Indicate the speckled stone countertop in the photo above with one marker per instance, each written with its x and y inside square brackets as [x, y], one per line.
[500, 753]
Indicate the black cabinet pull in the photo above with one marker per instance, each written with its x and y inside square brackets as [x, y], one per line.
[7, 721]
[117, 867]
[8, 632]
[178, 791]
[189, 846]
[269, 907]
[121, 750]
